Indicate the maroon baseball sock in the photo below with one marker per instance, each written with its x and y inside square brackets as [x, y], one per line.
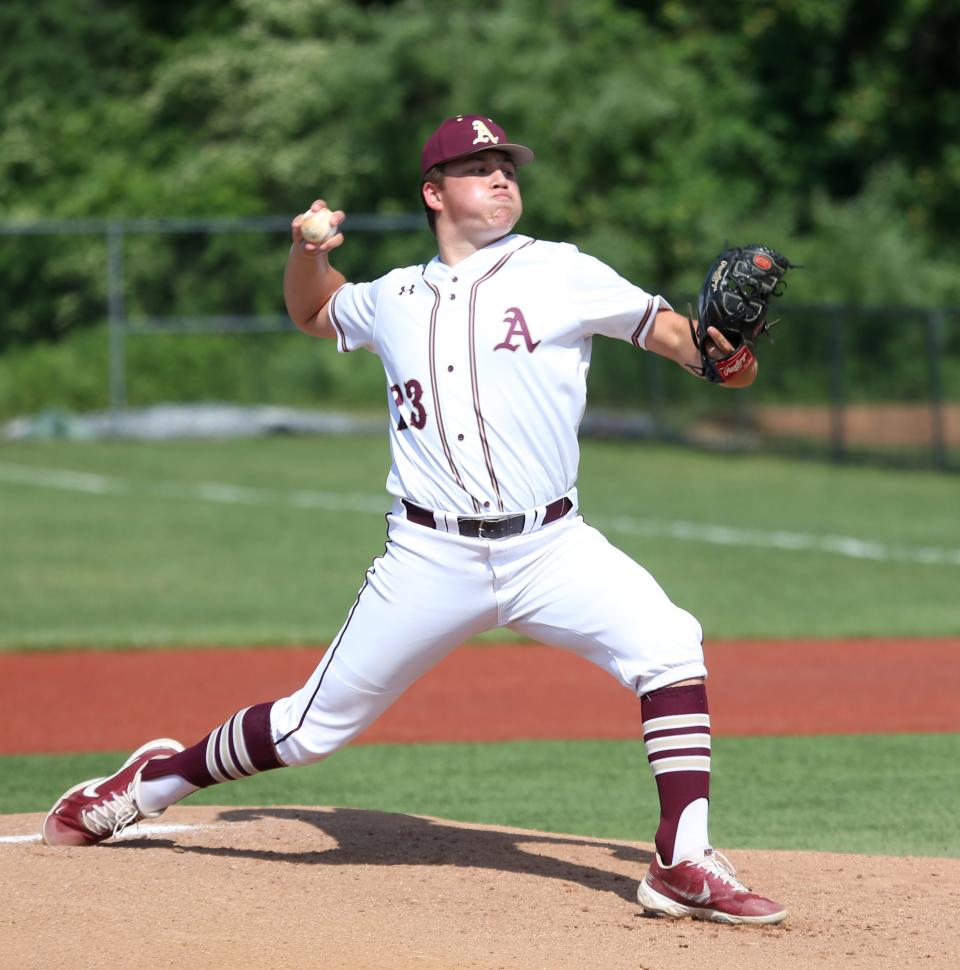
[676, 733]
[242, 746]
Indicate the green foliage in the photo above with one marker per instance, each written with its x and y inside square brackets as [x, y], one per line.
[816, 355]
[271, 368]
[662, 130]
[72, 376]
[772, 793]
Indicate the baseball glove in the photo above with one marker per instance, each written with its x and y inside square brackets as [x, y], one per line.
[734, 299]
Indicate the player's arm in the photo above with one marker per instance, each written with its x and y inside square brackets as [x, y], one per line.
[309, 280]
[670, 336]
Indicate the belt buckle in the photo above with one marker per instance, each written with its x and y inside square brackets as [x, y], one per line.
[494, 528]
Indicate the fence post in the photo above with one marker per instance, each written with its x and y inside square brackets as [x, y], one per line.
[655, 395]
[116, 318]
[837, 405]
[935, 355]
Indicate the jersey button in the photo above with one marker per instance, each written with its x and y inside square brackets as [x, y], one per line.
[459, 437]
[486, 505]
[454, 279]
[453, 296]
[449, 368]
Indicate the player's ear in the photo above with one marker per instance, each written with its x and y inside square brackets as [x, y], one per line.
[432, 197]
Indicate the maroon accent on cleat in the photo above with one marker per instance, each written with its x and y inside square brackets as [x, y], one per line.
[705, 889]
[99, 808]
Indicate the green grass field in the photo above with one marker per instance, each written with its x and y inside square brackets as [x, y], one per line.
[887, 795]
[266, 541]
[120, 544]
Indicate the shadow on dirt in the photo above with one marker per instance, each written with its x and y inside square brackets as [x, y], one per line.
[370, 838]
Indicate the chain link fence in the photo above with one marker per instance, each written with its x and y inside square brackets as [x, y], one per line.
[842, 383]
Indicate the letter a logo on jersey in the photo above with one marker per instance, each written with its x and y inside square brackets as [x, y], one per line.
[518, 328]
[484, 135]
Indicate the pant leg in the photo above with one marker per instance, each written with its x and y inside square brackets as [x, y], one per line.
[574, 589]
[424, 596]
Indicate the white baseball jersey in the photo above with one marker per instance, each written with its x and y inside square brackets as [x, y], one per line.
[486, 366]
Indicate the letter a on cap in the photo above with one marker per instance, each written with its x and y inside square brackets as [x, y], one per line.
[484, 135]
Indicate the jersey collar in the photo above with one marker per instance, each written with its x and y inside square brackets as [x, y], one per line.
[476, 265]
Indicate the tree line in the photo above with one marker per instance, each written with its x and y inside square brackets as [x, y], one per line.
[826, 128]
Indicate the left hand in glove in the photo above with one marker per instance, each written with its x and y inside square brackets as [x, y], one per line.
[732, 309]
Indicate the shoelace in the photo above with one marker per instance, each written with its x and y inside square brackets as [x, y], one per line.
[112, 815]
[717, 863]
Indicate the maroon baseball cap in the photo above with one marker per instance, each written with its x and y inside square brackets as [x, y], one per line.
[466, 135]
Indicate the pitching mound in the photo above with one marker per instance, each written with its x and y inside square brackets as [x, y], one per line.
[362, 890]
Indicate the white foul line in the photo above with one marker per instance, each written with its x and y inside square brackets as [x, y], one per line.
[792, 541]
[684, 531]
[136, 832]
[220, 492]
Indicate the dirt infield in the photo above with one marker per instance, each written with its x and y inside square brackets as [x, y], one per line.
[484, 693]
[361, 890]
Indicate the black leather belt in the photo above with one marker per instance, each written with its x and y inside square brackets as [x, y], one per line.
[493, 527]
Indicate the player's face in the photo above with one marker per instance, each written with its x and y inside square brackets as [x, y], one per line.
[480, 194]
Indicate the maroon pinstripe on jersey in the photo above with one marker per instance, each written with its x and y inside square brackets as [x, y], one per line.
[441, 430]
[474, 382]
[332, 311]
[635, 339]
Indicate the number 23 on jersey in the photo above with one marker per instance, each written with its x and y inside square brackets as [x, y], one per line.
[412, 392]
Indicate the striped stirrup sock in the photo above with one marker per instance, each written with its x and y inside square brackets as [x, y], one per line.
[676, 733]
[241, 747]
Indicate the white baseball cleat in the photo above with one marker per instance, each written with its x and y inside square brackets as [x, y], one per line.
[707, 888]
[100, 808]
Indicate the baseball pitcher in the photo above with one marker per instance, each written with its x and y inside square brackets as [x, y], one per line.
[486, 351]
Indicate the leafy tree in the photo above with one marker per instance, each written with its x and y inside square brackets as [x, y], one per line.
[825, 127]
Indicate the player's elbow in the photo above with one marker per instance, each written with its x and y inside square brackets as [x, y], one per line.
[314, 323]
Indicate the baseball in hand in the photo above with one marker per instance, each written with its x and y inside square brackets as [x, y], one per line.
[316, 227]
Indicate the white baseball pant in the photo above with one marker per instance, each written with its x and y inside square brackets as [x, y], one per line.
[563, 584]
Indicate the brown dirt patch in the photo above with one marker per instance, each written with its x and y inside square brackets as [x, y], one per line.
[362, 890]
[113, 701]
[885, 425]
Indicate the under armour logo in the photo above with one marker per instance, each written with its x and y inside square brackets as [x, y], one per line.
[518, 328]
[406, 289]
[484, 135]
